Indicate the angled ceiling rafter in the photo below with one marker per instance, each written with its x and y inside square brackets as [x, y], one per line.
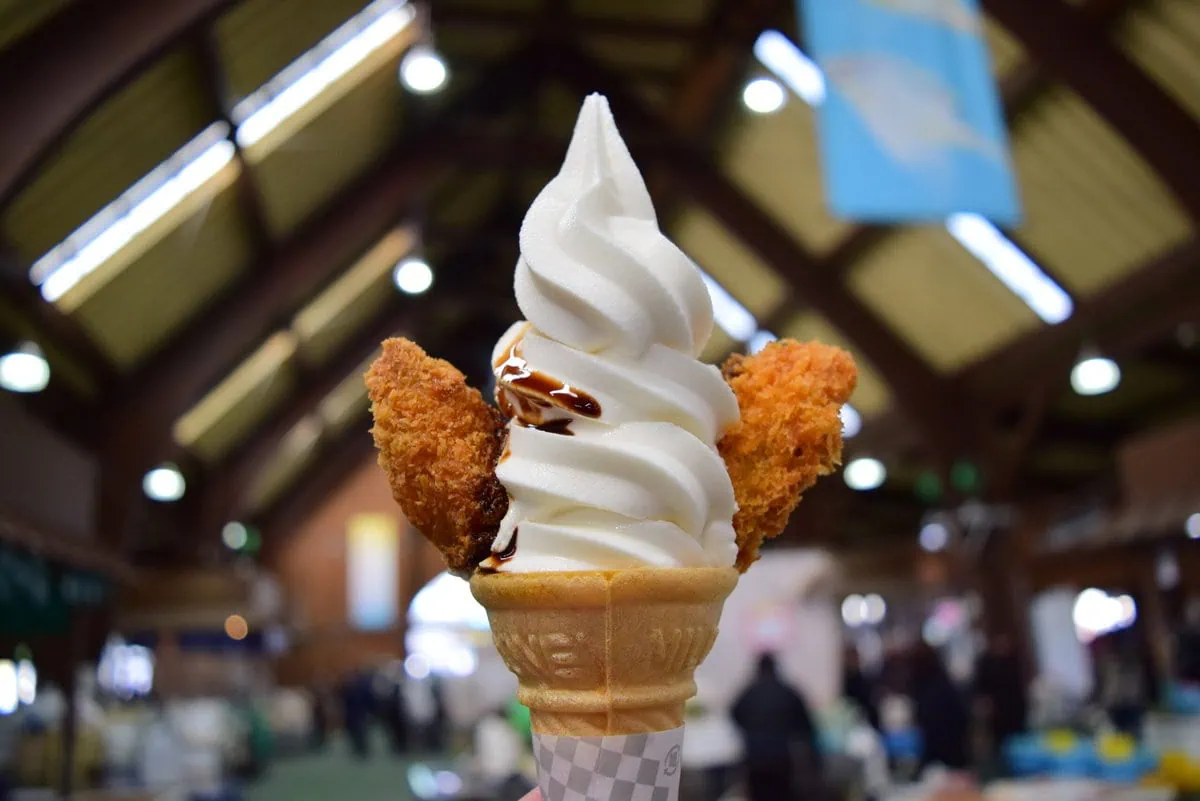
[1072, 46]
[138, 419]
[53, 78]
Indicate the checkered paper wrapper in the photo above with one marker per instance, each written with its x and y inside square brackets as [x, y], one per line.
[619, 767]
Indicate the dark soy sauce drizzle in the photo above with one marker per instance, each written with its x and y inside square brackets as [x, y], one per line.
[510, 550]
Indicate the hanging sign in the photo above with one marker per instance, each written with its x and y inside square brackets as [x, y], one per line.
[911, 128]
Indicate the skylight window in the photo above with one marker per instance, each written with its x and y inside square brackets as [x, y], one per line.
[189, 168]
[777, 53]
[135, 210]
[1009, 263]
[983, 240]
[306, 77]
[733, 318]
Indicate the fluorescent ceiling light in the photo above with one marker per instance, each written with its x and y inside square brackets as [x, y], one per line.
[308, 76]
[777, 53]
[1009, 263]
[763, 96]
[733, 318]
[135, 210]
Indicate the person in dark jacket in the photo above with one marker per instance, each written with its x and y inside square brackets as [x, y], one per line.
[858, 688]
[1000, 688]
[941, 711]
[775, 721]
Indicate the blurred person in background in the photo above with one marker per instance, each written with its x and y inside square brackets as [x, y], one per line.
[357, 704]
[858, 688]
[1124, 680]
[940, 710]
[321, 707]
[1000, 692]
[422, 706]
[776, 724]
[1187, 644]
[499, 749]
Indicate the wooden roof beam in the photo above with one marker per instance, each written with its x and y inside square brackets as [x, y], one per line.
[53, 78]
[464, 15]
[1133, 311]
[220, 100]
[927, 398]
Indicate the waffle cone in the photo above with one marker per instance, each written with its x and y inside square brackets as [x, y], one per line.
[599, 653]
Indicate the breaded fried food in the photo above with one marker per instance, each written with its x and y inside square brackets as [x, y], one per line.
[438, 441]
[789, 435]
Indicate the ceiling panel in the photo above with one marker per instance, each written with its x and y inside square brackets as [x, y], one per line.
[125, 138]
[1093, 209]
[1163, 36]
[167, 276]
[759, 288]
[773, 157]
[938, 298]
[258, 38]
[357, 295]
[234, 407]
[20, 17]
[345, 131]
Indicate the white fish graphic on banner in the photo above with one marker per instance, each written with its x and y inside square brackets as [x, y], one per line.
[951, 13]
[908, 110]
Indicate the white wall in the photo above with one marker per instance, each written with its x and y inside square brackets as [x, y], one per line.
[784, 605]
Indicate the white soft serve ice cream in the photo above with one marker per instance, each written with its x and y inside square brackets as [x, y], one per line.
[611, 459]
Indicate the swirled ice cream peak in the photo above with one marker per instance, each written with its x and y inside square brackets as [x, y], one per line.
[611, 460]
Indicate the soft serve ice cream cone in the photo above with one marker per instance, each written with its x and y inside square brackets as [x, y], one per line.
[610, 567]
[595, 509]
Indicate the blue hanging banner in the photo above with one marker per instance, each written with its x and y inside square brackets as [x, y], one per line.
[911, 127]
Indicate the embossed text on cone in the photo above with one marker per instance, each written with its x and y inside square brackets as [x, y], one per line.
[602, 653]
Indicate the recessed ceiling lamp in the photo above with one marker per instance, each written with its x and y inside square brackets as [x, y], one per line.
[235, 535]
[864, 473]
[763, 96]
[164, 483]
[851, 421]
[413, 276]
[1192, 526]
[934, 536]
[25, 369]
[422, 70]
[1094, 374]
